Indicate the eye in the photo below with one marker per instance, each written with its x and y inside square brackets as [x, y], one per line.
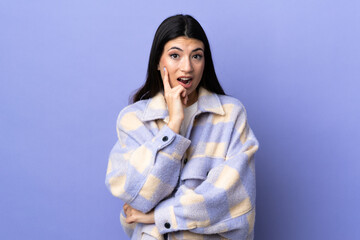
[198, 56]
[174, 56]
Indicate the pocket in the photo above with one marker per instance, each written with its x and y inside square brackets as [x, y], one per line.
[193, 180]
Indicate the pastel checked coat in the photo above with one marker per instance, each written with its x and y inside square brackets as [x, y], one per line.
[201, 185]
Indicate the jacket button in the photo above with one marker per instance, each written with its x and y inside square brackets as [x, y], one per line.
[167, 225]
[185, 161]
[165, 139]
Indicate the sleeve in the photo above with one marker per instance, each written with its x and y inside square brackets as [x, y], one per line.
[144, 164]
[224, 203]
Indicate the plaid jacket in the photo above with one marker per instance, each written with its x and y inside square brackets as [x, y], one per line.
[201, 185]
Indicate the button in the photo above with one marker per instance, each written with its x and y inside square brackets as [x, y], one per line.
[167, 225]
[185, 161]
[165, 139]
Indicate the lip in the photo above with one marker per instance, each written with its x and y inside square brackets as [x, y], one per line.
[188, 85]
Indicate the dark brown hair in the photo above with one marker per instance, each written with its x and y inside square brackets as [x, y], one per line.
[171, 28]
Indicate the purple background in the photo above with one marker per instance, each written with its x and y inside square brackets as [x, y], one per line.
[67, 68]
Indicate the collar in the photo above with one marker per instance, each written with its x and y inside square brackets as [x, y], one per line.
[156, 107]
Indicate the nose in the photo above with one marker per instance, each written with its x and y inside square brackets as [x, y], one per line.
[186, 65]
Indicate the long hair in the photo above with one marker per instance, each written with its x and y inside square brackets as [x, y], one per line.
[173, 27]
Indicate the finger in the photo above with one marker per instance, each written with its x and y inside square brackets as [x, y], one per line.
[185, 100]
[126, 206]
[127, 209]
[129, 219]
[179, 91]
[167, 86]
[183, 94]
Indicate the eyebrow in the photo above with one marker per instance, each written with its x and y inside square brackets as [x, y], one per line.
[196, 49]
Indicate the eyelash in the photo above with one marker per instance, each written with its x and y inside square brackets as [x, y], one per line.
[196, 56]
[174, 55]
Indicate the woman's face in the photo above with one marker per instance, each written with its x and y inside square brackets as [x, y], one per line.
[185, 61]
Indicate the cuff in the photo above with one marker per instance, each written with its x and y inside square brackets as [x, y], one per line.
[165, 137]
[165, 219]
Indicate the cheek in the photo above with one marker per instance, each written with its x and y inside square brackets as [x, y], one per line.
[168, 64]
[200, 70]
[161, 64]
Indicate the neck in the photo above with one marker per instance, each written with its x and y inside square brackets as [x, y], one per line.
[192, 98]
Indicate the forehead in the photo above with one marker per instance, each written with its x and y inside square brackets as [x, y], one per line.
[184, 43]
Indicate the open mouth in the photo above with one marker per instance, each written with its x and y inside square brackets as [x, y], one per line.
[184, 80]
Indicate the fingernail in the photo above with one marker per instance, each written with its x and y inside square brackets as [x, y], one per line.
[164, 69]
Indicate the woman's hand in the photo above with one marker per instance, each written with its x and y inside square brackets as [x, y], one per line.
[175, 98]
[133, 215]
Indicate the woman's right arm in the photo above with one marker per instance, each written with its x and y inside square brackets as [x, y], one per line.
[144, 167]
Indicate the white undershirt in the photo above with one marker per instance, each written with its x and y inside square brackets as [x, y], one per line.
[189, 112]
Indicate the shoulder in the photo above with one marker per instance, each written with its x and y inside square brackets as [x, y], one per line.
[231, 105]
[130, 117]
[137, 107]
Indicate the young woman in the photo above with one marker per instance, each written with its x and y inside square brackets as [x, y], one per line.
[183, 163]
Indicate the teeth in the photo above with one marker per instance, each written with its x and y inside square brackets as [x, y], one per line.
[185, 80]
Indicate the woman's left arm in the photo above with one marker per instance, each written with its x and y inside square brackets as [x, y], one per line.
[135, 216]
[225, 202]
